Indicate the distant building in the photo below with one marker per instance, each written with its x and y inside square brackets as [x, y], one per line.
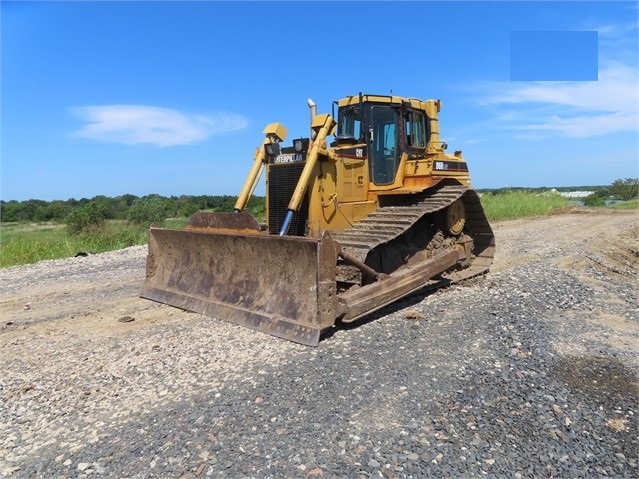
[576, 194]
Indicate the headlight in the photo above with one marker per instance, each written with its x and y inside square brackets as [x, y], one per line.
[300, 145]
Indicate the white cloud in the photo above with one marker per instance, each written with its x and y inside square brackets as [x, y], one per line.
[151, 125]
[615, 90]
[573, 109]
[585, 126]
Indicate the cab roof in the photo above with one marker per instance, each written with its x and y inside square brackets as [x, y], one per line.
[390, 99]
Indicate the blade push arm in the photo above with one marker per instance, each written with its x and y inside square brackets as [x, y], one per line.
[275, 133]
[323, 125]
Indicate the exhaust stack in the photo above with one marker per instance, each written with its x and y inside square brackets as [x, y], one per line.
[313, 107]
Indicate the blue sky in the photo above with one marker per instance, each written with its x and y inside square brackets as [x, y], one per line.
[109, 98]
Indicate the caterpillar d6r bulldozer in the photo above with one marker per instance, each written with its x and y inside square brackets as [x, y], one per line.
[366, 210]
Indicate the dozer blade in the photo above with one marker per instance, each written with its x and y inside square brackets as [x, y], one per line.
[284, 286]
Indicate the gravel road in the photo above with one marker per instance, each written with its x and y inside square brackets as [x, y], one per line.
[529, 371]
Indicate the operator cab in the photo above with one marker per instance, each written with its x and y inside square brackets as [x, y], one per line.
[386, 130]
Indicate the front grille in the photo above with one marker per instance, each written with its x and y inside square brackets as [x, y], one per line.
[282, 180]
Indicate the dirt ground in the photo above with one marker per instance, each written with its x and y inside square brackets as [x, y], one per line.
[76, 296]
[92, 369]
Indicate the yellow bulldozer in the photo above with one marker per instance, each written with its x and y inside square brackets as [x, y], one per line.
[366, 210]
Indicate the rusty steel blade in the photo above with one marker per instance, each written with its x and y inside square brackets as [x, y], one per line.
[284, 286]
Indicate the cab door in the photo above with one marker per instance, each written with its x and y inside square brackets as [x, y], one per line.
[384, 148]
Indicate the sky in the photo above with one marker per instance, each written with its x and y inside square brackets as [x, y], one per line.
[171, 98]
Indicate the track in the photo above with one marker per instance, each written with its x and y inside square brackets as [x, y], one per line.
[398, 214]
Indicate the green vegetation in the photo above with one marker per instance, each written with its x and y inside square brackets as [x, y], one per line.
[521, 204]
[117, 208]
[627, 189]
[91, 216]
[30, 243]
[36, 230]
[594, 201]
[625, 205]
[149, 211]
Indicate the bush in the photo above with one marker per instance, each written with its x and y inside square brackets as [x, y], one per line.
[185, 209]
[147, 211]
[626, 189]
[257, 208]
[89, 216]
[594, 201]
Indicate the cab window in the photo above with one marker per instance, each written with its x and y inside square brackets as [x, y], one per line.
[415, 129]
[350, 123]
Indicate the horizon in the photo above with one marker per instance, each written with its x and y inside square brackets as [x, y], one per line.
[115, 98]
[570, 188]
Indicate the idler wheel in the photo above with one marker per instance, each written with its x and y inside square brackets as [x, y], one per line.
[455, 218]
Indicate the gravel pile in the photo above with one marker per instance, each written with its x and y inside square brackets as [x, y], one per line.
[530, 371]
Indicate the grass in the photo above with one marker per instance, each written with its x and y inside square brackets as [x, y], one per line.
[521, 204]
[625, 205]
[23, 244]
[30, 243]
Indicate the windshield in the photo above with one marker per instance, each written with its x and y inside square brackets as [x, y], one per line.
[350, 122]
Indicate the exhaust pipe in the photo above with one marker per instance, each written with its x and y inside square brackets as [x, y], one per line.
[313, 107]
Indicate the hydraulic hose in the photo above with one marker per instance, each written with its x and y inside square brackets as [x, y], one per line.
[287, 223]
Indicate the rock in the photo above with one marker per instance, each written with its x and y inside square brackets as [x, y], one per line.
[501, 385]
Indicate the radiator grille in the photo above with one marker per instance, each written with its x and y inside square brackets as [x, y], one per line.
[282, 180]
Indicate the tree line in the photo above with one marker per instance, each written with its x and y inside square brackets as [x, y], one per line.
[625, 189]
[124, 207]
[621, 189]
[156, 208]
